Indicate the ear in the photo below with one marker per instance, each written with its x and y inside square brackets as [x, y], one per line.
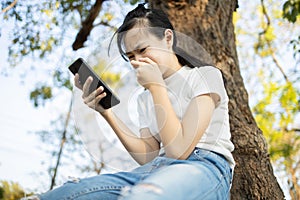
[169, 38]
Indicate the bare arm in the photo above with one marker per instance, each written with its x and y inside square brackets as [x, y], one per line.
[142, 149]
[179, 138]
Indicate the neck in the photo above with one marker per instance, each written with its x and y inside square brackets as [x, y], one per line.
[173, 67]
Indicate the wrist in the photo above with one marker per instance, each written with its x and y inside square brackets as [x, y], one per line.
[105, 113]
[157, 87]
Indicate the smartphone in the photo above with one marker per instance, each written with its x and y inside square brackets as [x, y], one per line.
[84, 70]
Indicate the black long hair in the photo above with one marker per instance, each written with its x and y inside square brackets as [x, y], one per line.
[157, 22]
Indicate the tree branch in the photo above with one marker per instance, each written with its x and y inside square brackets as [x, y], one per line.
[62, 143]
[278, 65]
[87, 25]
[275, 60]
[104, 24]
[10, 6]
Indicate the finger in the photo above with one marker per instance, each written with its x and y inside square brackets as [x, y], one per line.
[147, 60]
[95, 101]
[142, 61]
[77, 82]
[136, 63]
[94, 94]
[99, 97]
[86, 86]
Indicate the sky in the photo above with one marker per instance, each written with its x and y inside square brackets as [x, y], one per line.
[20, 156]
[17, 147]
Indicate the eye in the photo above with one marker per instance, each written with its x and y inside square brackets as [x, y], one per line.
[142, 50]
[130, 57]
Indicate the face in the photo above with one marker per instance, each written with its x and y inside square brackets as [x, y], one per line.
[140, 42]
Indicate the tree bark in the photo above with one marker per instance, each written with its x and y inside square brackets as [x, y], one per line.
[209, 22]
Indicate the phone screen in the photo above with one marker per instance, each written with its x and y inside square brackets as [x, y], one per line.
[82, 68]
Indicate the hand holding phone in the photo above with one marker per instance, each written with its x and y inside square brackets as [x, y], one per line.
[84, 70]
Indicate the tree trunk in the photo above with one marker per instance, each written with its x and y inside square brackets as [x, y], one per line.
[209, 22]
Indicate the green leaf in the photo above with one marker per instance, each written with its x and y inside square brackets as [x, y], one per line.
[133, 2]
[291, 10]
[40, 95]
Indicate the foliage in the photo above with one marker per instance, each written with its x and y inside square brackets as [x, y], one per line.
[277, 125]
[110, 78]
[41, 27]
[132, 2]
[296, 46]
[272, 75]
[43, 92]
[40, 94]
[10, 190]
[291, 10]
[38, 25]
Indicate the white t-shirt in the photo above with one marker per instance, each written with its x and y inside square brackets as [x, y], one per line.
[184, 85]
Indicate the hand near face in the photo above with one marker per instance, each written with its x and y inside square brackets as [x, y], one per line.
[147, 72]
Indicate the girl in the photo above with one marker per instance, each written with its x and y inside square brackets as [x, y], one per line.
[184, 145]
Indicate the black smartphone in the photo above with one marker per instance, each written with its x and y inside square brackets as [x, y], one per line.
[84, 70]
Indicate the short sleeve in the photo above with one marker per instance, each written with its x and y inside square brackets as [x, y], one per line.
[141, 109]
[208, 80]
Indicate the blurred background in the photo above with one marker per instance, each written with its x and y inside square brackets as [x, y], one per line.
[48, 135]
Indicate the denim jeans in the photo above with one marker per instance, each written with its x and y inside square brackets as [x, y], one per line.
[203, 175]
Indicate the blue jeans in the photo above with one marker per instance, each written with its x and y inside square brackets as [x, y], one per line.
[203, 175]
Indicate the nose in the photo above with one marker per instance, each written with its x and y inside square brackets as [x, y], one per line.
[137, 56]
